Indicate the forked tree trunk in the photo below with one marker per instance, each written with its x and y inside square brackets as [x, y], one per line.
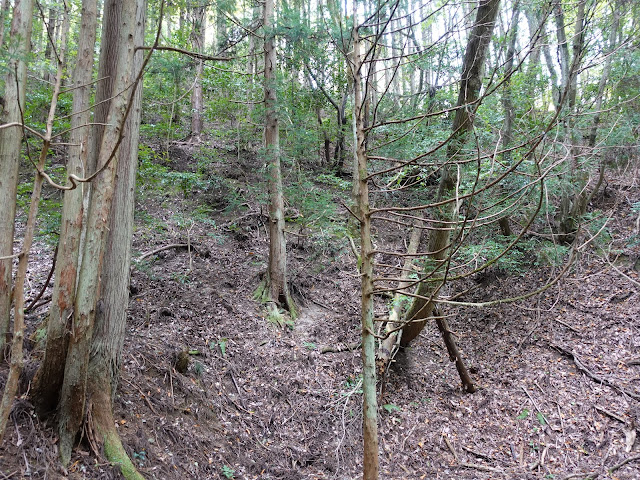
[48, 380]
[440, 238]
[10, 142]
[72, 408]
[276, 282]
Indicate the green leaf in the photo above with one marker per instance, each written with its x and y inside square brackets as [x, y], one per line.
[541, 419]
[223, 346]
[524, 414]
[309, 345]
[390, 407]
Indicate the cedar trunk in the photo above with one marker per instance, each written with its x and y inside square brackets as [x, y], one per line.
[276, 287]
[72, 408]
[369, 400]
[110, 322]
[48, 379]
[10, 141]
[197, 41]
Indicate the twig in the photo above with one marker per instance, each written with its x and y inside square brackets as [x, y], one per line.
[578, 363]
[341, 348]
[189, 246]
[453, 450]
[573, 329]
[484, 468]
[637, 284]
[320, 304]
[235, 384]
[404, 440]
[587, 476]
[623, 463]
[32, 303]
[146, 399]
[483, 455]
[609, 413]
[166, 247]
[535, 404]
[524, 339]
[197, 55]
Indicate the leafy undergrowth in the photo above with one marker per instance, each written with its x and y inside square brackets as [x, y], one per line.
[211, 389]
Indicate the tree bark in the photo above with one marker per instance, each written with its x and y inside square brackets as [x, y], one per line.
[48, 380]
[12, 106]
[276, 282]
[50, 45]
[606, 71]
[110, 321]
[11, 385]
[572, 203]
[197, 41]
[4, 10]
[440, 238]
[369, 400]
[71, 409]
[507, 95]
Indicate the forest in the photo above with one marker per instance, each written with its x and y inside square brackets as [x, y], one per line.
[308, 239]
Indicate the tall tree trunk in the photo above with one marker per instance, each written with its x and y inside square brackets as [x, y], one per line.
[606, 71]
[4, 11]
[369, 400]
[340, 155]
[110, 322]
[11, 385]
[222, 36]
[10, 141]
[572, 203]
[50, 44]
[119, 28]
[48, 380]
[507, 95]
[276, 281]
[197, 41]
[440, 238]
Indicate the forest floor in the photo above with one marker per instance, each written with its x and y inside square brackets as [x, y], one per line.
[211, 388]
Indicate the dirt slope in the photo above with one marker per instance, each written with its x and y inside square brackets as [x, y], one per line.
[559, 374]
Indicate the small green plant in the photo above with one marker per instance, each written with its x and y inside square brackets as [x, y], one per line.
[514, 261]
[222, 343]
[145, 267]
[541, 419]
[353, 383]
[140, 456]
[280, 319]
[228, 472]
[524, 414]
[552, 255]
[390, 408]
[309, 345]
[181, 277]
